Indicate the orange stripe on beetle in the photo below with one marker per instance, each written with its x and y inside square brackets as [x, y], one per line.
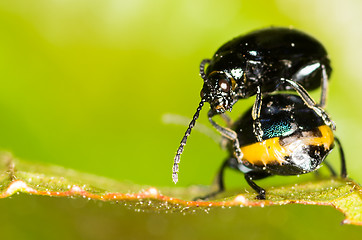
[270, 150]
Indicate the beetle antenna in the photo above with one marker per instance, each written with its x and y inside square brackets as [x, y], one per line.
[202, 68]
[180, 149]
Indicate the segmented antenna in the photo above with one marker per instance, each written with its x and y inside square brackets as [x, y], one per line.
[180, 149]
[202, 68]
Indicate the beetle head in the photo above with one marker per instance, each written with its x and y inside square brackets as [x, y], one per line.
[218, 89]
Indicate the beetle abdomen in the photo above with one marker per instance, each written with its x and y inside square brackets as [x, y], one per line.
[298, 153]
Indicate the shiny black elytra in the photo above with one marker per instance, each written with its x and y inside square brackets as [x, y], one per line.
[258, 63]
[295, 141]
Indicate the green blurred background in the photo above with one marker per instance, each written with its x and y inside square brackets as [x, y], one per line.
[84, 84]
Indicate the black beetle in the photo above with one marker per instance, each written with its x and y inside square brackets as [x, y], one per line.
[258, 63]
[295, 141]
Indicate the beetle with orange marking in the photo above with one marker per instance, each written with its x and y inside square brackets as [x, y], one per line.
[295, 141]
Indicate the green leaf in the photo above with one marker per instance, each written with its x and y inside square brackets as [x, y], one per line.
[48, 180]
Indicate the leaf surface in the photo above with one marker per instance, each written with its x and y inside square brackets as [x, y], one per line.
[47, 180]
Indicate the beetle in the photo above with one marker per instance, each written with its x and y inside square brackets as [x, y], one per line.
[295, 141]
[259, 63]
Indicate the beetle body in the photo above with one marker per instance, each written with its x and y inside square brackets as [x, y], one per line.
[263, 58]
[295, 141]
[259, 63]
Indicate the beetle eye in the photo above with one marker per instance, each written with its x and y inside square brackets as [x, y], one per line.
[224, 85]
[219, 80]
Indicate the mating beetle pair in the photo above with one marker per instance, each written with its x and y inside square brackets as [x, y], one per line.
[259, 63]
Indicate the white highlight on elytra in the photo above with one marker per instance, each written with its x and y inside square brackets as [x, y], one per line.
[253, 53]
[308, 69]
[342, 15]
[237, 73]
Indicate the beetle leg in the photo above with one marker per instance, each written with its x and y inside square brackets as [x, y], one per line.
[324, 88]
[229, 134]
[314, 66]
[249, 176]
[327, 120]
[229, 122]
[343, 160]
[255, 175]
[257, 104]
[255, 113]
[330, 168]
[308, 100]
[219, 180]
[227, 119]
